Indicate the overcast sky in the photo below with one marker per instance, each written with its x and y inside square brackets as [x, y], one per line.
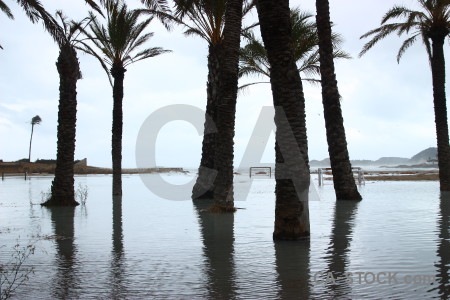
[387, 107]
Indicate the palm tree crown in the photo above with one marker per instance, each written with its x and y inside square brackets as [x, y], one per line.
[434, 19]
[122, 36]
[36, 120]
[253, 56]
[206, 18]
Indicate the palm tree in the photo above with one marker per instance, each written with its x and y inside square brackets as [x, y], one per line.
[431, 25]
[118, 43]
[344, 182]
[291, 149]
[254, 61]
[206, 20]
[62, 190]
[36, 120]
[226, 108]
[253, 56]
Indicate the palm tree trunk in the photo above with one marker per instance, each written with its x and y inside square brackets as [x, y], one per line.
[62, 190]
[291, 147]
[440, 109]
[204, 186]
[118, 73]
[344, 182]
[226, 108]
[31, 140]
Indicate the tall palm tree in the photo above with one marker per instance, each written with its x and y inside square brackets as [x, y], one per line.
[226, 107]
[254, 61]
[253, 56]
[291, 149]
[205, 18]
[62, 190]
[36, 120]
[431, 25]
[344, 182]
[118, 44]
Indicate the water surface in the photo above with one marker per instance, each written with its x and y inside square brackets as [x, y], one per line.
[144, 246]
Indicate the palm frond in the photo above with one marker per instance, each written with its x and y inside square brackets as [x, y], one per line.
[165, 18]
[433, 17]
[157, 5]
[94, 6]
[195, 32]
[144, 54]
[36, 12]
[406, 44]
[4, 8]
[206, 16]
[244, 88]
[379, 34]
[395, 12]
[427, 44]
[86, 48]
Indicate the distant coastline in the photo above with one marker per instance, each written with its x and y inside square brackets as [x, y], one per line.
[424, 159]
[49, 168]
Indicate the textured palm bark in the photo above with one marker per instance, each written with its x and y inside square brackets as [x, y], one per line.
[344, 182]
[118, 73]
[291, 147]
[204, 186]
[226, 107]
[440, 107]
[62, 190]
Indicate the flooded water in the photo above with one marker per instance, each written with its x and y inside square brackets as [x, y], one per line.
[394, 244]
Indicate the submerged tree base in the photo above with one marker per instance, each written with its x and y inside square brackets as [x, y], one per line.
[290, 236]
[290, 229]
[349, 197]
[220, 209]
[54, 202]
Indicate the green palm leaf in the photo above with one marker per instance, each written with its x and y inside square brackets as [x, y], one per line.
[253, 56]
[435, 15]
[4, 8]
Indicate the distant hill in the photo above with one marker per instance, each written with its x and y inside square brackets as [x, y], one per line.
[419, 158]
[423, 156]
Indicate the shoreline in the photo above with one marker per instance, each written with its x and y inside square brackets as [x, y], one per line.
[33, 169]
[49, 169]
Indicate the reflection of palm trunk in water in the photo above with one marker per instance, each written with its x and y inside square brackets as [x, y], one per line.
[443, 252]
[292, 266]
[117, 255]
[218, 237]
[66, 285]
[337, 254]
